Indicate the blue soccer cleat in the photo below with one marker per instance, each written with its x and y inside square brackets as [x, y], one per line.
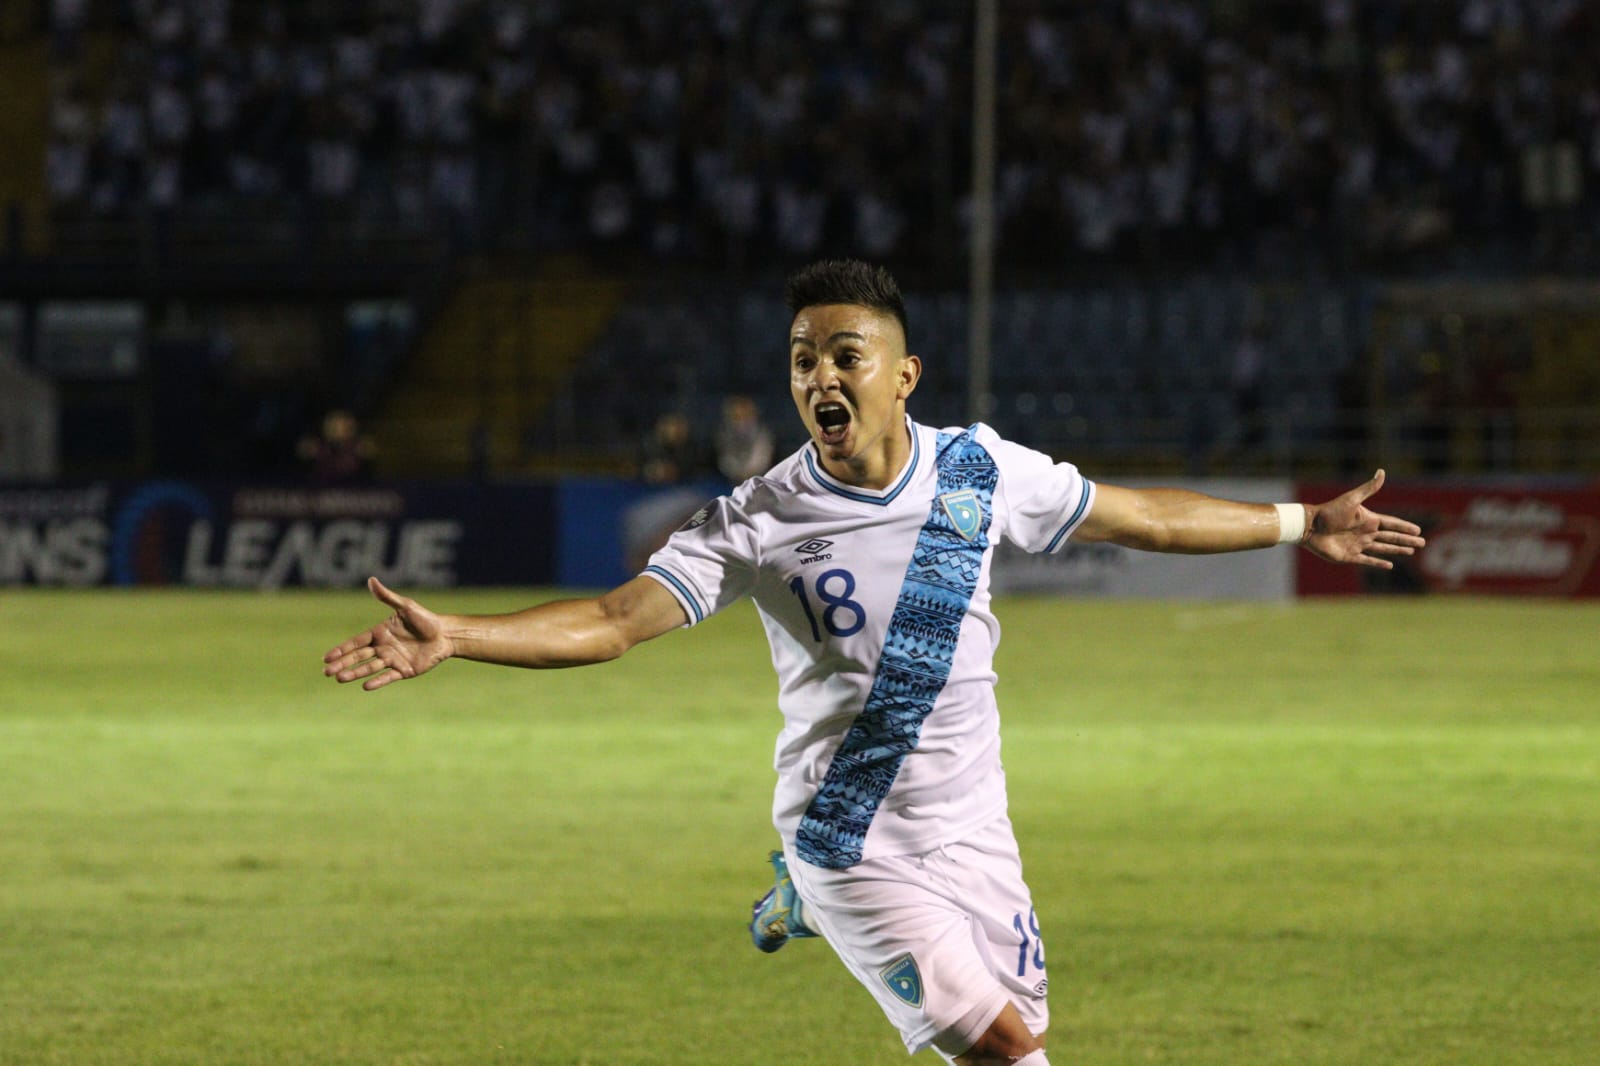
[777, 917]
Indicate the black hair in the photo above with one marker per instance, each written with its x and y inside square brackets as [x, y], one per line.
[845, 281]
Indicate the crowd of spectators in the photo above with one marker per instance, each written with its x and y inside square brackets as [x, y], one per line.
[716, 131]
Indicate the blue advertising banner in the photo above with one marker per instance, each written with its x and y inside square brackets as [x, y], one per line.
[609, 528]
[265, 537]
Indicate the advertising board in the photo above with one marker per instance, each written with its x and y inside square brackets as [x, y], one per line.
[1510, 538]
[1107, 570]
[267, 537]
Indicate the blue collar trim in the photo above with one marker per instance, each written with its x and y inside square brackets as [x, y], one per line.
[825, 480]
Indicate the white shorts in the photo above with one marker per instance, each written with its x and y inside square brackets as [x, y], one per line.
[943, 940]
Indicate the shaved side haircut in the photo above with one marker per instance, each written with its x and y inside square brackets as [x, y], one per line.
[846, 281]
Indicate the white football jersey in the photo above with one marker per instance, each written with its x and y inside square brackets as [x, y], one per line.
[876, 605]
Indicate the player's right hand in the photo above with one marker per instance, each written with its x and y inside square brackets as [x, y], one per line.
[409, 642]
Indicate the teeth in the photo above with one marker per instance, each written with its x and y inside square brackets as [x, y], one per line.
[830, 415]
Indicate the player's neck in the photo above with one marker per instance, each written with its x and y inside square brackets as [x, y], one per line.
[879, 464]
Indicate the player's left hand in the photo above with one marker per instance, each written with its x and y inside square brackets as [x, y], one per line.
[1343, 530]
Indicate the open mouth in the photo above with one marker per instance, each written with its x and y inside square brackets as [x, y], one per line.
[833, 422]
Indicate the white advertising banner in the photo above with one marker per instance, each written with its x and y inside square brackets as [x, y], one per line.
[1107, 570]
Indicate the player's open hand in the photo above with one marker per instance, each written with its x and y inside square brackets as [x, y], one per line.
[1343, 530]
[409, 642]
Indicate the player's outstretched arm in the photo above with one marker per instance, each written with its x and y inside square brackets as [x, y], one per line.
[413, 640]
[1343, 530]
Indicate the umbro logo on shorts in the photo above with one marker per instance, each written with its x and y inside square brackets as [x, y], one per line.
[903, 979]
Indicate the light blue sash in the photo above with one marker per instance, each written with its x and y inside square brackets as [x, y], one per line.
[917, 652]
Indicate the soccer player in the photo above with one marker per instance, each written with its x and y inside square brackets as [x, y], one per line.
[867, 553]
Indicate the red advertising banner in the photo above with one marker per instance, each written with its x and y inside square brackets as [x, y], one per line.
[1493, 538]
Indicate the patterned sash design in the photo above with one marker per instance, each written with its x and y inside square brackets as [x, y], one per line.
[915, 664]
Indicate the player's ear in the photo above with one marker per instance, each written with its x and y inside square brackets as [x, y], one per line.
[910, 372]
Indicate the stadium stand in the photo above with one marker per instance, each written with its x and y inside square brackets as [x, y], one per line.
[687, 131]
[1174, 179]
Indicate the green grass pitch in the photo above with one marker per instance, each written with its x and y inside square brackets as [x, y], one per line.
[1362, 832]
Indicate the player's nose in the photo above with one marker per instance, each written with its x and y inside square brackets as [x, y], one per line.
[824, 378]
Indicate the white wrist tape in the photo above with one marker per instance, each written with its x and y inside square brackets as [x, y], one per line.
[1291, 522]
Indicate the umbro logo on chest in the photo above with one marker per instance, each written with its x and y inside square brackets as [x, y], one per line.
[816, 550]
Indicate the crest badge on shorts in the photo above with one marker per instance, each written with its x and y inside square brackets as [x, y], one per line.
[966, 514]
[903, 979]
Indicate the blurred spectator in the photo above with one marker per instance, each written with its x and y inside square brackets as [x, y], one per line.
[744, 443]
[68, 19]
[339, 454]
[69, 152]
[670, 452]
[1129, 130]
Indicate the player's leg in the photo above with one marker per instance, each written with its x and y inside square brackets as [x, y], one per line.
[984, 872]
[896, 928]
[1007, 1042]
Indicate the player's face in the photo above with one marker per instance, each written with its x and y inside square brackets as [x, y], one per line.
[850, 375]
